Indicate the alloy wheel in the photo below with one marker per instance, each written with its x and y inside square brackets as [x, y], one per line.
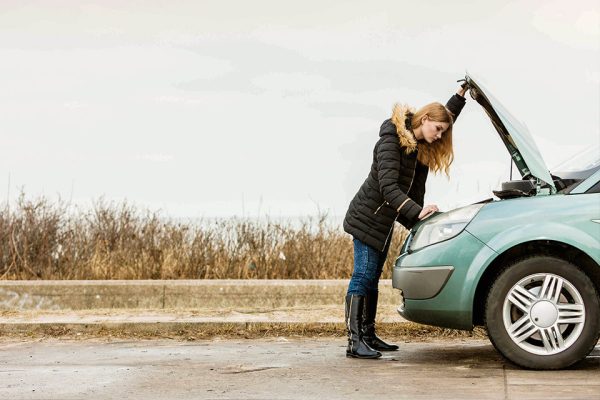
[544, 314]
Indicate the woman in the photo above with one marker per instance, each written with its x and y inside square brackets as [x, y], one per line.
[410, 144]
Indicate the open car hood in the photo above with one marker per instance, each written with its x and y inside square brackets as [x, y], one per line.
[514, 134]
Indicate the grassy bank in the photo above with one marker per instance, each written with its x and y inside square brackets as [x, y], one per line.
[40, 239]
[398, 332]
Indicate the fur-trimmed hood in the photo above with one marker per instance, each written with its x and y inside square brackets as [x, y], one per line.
[401, 126]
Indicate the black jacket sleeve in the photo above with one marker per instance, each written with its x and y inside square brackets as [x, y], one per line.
[388, 153]
[455, 104]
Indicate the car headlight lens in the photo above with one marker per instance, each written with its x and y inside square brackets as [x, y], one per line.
[444, 226]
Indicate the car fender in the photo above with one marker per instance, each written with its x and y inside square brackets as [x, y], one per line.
[577, 238]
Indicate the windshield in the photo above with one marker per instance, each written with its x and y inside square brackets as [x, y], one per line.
[587, 159]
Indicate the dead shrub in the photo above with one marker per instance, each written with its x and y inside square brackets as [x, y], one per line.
[44, 240]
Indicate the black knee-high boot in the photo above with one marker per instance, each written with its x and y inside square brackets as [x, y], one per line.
[354, 316]
[368, 326]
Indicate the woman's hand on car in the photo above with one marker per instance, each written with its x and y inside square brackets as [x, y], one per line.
[428, 210]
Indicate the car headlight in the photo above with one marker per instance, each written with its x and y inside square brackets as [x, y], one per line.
[444, 226]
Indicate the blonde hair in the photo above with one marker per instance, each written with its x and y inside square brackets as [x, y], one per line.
[437, 155]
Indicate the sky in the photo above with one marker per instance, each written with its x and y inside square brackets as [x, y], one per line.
[223, 108]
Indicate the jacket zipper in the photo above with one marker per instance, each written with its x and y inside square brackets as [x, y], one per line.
[398, 213]
[382, 204]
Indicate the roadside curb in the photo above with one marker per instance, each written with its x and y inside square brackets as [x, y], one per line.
[179, 294]
[189, 308]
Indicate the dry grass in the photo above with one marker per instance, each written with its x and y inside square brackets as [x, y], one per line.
[44, 240]
[406, 331]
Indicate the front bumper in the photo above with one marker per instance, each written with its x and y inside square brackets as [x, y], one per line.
[421, 283]
[438, 282]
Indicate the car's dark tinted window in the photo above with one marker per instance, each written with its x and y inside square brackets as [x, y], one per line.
[594, 189]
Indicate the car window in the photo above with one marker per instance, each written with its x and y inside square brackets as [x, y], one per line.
[587, 159]
[595, 188]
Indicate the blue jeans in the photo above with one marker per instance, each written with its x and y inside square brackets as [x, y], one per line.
[368, 264]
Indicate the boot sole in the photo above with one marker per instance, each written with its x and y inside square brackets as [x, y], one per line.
[350, 355]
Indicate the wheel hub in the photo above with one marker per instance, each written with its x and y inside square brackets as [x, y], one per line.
[544, 314]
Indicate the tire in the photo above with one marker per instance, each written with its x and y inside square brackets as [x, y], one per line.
[542, 313]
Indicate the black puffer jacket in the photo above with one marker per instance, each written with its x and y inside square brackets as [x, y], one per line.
[395, 187]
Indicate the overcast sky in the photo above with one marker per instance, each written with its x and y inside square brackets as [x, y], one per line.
[218, 108]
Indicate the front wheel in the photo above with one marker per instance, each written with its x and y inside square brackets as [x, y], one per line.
[543, 313]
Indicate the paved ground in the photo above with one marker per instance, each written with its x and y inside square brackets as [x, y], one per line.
[276, 368]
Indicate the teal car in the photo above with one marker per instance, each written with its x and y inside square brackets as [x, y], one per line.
[525, 265]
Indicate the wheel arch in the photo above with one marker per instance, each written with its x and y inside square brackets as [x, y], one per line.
[543, 247]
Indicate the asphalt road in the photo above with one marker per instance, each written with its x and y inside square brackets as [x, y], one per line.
[277, 368]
